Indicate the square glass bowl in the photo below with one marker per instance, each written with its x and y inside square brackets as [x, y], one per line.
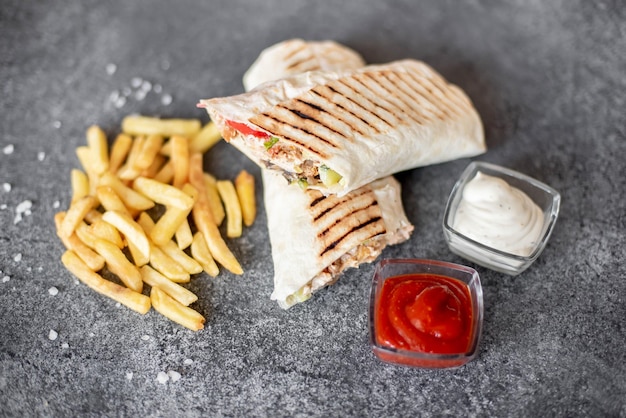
[424, 270]
[543, 195]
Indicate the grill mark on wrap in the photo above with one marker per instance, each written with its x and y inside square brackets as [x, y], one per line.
[331, 94]
[436, 93]
[354, 230]
[379, 106]
[356, 216]
[316, 99]
[317, 115]
[395, 100]
[363, 101]
[416, 91]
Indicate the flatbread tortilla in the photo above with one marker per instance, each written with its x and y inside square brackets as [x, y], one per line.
[357, 125]
[296, 56]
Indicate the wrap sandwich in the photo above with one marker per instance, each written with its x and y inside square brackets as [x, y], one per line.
[296, 56]
[315, 238]
[338, 131]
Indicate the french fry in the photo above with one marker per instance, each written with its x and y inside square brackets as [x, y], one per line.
[110, 200]
[166, 173]
[227, 192]
[139, 258]
[132, 231]
[190, 265]
[244, 184]
[131, 198]
[93, 215]
[80, 184]
[165, 265]
[200, 252]
[93, 260]
[163, 193]
[217, 208]
[208, 136]
[86, 235]
[99, 148]
[155, 279]
[184, 235]
[118, 264]
[155, 167]
[76, 213]
[176, 311]
[169, 223]
[86, 160]
[119, 151]
[203, 219]
[134, 300]
[149, 149]
[128, 171]
[143, 125]
[104, 230]
[180, 160]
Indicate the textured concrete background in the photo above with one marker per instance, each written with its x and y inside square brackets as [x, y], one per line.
[549, 80]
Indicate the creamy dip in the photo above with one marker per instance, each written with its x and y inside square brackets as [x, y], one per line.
[498, 215]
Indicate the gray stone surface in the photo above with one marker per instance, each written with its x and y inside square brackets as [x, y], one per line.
[548, 79]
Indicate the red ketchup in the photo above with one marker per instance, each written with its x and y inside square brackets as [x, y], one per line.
[425, 313]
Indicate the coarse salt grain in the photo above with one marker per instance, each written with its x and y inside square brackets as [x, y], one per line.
[8, 149]
[146, 86]
[166, 100]
[52, 335]
[175, 376]
[188, 361]
[56, 204]
[18, 257]
[41, 155]
[162, 378]
[120, 102]
[22, 209]
[53, 291]
[6, 187]
[65, 345]
[135, 82]
[56, 124]
[157, 88]
[165, 65]
[3, 206]
[111, 68]
[145, 337]
[129, 375]
[5, 279]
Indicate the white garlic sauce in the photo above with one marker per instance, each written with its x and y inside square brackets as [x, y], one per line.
[498, 215]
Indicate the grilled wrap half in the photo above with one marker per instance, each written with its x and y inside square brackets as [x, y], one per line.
[337, 131]
[315, 238]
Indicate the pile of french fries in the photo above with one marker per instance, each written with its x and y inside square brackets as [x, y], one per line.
[145, 211]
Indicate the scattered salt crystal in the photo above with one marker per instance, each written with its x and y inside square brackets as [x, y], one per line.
[166, 100]
[175, 376]
[3, 206]
[140, 95]
[40, 269]
[126, 91]
[111, 69]
[145, 337]
[56, 124]
[165, 65]
[65, 345]
[41, 155]
[76, 282]
[56, 204]
[8, 149]
[18, 257]
[6, 187]
[188, 361]
[162, 378]
[129, 375]
[136, 82]
[146, 86]
[5, 279]
[114, 96]
[157, 88]
[120, 102]
[118, 305]
[53, 291]
[52, 335]
[91, 334]
[22, 209]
